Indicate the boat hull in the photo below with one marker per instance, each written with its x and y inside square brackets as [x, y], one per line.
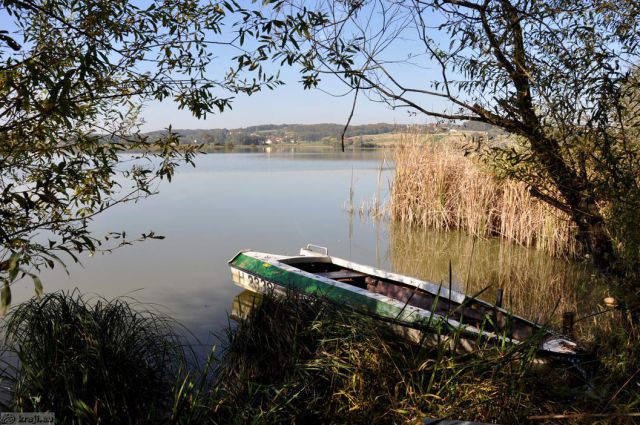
[275, 274]
[266, 274]
[413, 331]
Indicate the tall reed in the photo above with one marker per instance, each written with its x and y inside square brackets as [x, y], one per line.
[437, 186]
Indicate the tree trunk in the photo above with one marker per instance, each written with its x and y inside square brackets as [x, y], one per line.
[592, 233]
[575, 191]
[596, 241]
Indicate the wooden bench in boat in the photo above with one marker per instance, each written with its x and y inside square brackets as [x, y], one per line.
[342, 274]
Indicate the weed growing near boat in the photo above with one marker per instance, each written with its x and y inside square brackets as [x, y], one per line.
[295, 361]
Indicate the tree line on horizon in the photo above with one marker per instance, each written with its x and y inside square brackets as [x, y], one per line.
[327, 132]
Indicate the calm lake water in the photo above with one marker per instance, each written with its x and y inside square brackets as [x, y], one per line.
[278, 202]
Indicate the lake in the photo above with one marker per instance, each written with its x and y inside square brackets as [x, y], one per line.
[279, 201]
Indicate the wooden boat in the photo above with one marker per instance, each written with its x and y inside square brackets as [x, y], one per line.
[413, 307]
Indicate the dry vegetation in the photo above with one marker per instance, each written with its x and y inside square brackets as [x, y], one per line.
[294, 362]
[301, 362]
[437, 186]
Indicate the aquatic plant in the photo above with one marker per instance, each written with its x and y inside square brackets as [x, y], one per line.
[309, 362]
[295, 360]
[438, 186]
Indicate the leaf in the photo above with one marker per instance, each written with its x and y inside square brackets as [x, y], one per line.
[13, 268]
[5, 298]
[37, 285]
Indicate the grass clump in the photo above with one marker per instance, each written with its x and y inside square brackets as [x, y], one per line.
[301, 362]
[295, 361]
[89, 362]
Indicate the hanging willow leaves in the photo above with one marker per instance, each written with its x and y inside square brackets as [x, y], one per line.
[73, 79]
[5, 298]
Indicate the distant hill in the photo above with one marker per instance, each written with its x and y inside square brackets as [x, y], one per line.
[304, 133]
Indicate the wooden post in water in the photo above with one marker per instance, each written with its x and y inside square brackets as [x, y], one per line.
[568, 320]
[450, 278]
[499, 296]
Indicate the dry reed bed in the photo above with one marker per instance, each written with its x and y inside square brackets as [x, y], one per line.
[437, 186]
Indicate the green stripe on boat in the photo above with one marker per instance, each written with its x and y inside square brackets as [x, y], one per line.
[316, 287]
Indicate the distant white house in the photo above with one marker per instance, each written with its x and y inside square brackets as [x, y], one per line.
[268, 142]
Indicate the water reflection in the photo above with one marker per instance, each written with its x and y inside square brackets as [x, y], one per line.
[243, 305]
[278, 202]
[535, 285]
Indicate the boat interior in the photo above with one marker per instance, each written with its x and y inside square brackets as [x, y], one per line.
[471, 312]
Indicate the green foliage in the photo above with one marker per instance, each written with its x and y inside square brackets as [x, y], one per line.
[91, 360]
[73, 78]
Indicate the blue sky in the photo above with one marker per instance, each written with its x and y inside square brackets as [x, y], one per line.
[288, 104]
[291, 103]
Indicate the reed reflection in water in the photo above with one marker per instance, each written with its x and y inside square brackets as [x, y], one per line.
[535, 285]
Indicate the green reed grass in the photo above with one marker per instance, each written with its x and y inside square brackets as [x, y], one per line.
[293, 361]
[296, 361]
[90, 360]
[302, 362]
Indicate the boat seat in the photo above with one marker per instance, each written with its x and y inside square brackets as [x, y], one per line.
[341, 274]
